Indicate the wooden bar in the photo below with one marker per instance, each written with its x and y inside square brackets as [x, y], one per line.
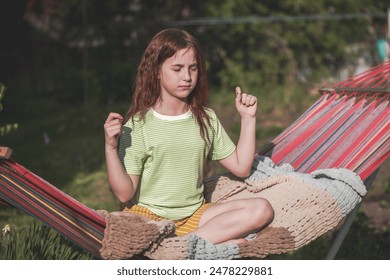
[5, 152]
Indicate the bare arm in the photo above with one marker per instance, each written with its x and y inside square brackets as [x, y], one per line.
[241, 160]
[122, 184]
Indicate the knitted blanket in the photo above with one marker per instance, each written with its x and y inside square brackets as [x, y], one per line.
[305, 205]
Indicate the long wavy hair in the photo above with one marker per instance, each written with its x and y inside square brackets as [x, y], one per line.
[147, 89]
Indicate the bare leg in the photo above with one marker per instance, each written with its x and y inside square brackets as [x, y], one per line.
[232, 220]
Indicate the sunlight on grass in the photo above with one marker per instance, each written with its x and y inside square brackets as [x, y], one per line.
[38, 242]
[93, 190]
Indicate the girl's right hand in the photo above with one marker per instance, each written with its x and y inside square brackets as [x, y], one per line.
[112, 130]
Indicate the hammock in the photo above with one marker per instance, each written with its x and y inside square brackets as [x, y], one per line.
[312, 173]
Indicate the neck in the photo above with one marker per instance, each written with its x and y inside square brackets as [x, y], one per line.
[169, 109]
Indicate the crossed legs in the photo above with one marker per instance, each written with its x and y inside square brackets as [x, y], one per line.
[231, 221]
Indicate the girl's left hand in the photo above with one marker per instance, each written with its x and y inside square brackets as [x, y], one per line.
[246, 104]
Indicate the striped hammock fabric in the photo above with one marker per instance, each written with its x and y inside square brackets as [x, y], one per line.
[347, 127]
[28, 192]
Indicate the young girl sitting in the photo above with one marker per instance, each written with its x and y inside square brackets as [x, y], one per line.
[156, 154]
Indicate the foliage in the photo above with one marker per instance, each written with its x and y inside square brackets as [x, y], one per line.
[38, 242]
[285, 47]
[5, 129]
[89, 50]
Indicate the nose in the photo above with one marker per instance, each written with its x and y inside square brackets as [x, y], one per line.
[187, 75]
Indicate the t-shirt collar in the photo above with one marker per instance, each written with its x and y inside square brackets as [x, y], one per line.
[172, 118]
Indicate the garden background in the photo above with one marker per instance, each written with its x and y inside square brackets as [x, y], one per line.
[66, 64]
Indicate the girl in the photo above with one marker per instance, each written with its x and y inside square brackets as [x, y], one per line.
[155, 155]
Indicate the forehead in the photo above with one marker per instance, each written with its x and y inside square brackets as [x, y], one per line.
[182, 56]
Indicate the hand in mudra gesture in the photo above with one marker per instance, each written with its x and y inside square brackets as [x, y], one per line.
[246, 104]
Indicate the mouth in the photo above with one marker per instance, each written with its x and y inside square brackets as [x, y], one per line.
[187, 87]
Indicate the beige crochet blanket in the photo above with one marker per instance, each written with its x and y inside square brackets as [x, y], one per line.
[306, 206]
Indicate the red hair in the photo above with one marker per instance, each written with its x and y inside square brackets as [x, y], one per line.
[147, 90]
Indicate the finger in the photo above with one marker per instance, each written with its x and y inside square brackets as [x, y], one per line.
[113, 124]
[238, 93]
[238, 96]
[248, 99]
[252, 100]
[113, 116]
[244, 98]
[114, 130]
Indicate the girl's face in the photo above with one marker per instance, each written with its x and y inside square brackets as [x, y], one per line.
[178, 75]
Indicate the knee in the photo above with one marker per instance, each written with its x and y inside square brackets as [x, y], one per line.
[262, 213]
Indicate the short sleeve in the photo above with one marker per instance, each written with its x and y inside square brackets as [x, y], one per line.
[132, 147]
[222, 145]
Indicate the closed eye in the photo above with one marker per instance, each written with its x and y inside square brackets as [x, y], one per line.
[176, 67]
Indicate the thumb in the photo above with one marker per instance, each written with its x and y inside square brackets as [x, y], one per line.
[238, 90]
[238, 95]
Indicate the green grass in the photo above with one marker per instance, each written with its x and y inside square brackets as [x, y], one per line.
[38, 242]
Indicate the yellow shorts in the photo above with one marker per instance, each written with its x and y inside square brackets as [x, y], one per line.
[183, 226]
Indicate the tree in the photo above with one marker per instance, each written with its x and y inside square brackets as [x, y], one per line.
[80, 52]
[7, 127]
[266, 43]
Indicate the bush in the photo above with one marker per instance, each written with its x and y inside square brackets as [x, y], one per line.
[8, 127]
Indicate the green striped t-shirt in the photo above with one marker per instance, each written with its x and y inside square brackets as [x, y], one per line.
[169, 154]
